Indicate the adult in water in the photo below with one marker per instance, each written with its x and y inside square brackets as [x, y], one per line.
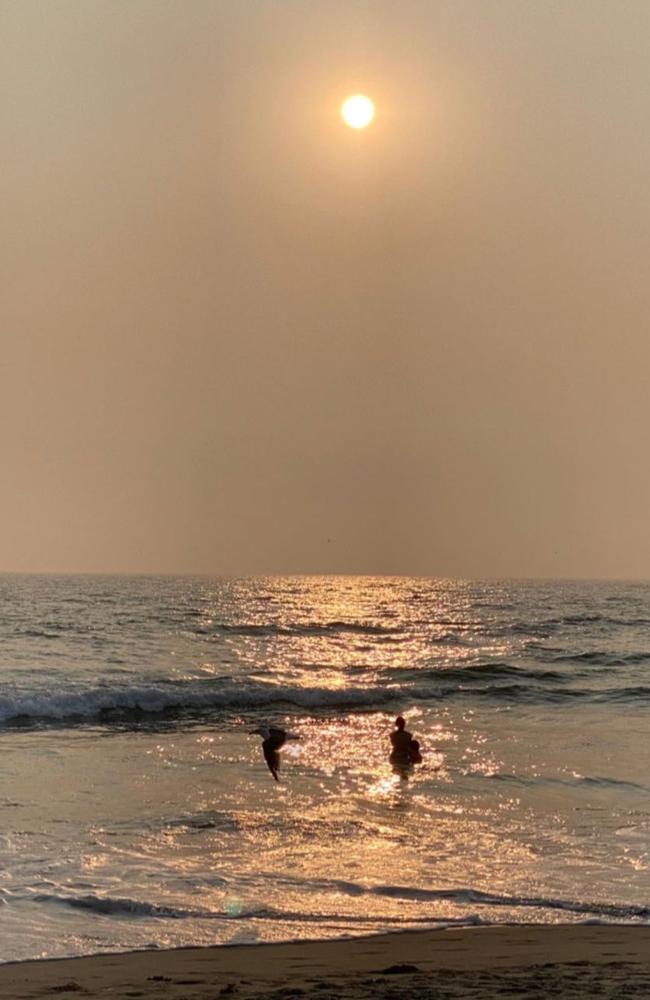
[405, 750]
[400, 739]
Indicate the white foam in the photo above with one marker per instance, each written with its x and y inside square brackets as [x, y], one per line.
[197, 695]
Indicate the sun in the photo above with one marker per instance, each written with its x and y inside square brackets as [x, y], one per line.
[357, 111]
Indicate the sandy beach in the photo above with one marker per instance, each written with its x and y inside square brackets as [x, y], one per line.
[559, 961]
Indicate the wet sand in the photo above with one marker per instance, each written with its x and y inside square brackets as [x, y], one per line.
[532, 960]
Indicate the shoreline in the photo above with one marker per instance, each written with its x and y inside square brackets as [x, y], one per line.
[558, 960]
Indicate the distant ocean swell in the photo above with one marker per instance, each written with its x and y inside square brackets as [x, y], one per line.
[497, 682]
[308, 628]
[267, 628]
[455, 626]
[116, 906]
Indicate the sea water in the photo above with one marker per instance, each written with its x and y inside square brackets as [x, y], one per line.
[136, 809]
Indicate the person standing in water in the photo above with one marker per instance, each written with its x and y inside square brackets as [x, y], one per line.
[400, 740]
[405, 750]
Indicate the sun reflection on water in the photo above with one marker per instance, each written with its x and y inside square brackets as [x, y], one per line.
[343, 840]
[168, 812]
[345, 632]
[344, 830]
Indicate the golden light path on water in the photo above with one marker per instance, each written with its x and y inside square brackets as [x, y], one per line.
[350, 820]
[354, 816]
[197, 840]
[348, 659]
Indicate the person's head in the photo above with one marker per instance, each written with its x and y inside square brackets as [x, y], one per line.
[400, 722]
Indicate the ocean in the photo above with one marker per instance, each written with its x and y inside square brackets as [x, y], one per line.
[137, 810]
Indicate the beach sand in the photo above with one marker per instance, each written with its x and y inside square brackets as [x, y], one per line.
[489, 962]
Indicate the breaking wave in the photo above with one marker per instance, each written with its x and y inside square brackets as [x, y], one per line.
[474, 898]
[198, 697]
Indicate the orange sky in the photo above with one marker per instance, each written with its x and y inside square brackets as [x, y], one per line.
[239, 337]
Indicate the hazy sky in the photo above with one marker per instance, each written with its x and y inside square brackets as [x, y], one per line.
[239, 337]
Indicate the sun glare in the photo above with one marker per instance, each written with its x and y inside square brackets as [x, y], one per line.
[357, 111]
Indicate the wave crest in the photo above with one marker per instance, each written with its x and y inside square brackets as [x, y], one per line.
[496, 682]
[126, 907]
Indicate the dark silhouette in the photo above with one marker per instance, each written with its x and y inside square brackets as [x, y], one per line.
[273, 739]
[405, 750]
[400, 737]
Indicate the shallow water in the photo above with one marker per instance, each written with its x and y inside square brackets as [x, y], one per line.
[137, 809]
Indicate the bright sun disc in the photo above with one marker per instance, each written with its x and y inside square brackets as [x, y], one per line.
[357, 111]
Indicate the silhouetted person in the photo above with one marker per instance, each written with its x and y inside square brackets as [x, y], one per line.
[406, 750]
[414, 752]
[400, 738]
